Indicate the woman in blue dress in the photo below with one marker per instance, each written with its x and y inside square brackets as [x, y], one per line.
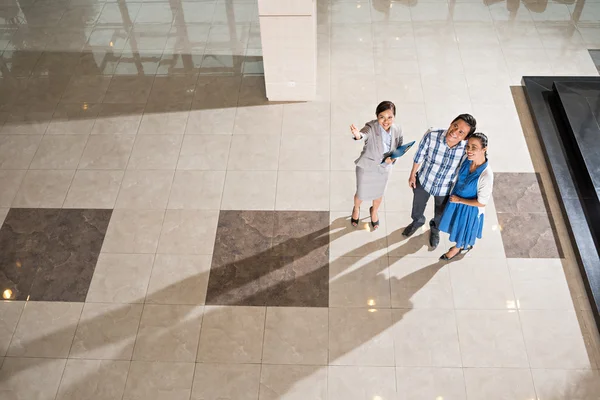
[464, 215]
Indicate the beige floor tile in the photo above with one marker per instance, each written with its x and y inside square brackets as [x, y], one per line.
[540, 284]
[59, 152]
[301, 119]
[157, 380]
[10, 312]
[344, 150]
[3, 214]
[179, 279]
[563, 384]
[10, 181]
[293, 382]
[302, 190]
[482, 284]
[415, 246]
[554, 340]
[133, 231]
[94, 189]
[342, 187]
[211, 122]
[24, 121]
[249, 190]
[168, 333]
[361, 337]
[296, 336]
[120, 278]
[359, 282]
[145, 190]
[499, 383]
[45, 329]
[73, 119]
[206, 152]
[118, 119]
[232, 334]
[304, 153]
[188, 232]
[164, 119]
[426, 338]
[197, 190]
[93, 380]
[491, 338]
[357, 383]
[258, 120]
[254, 153]
[420, 283]
[226, 381]
[107, 152]
[361, 241]
[43, 189]
[16, 152]
[106, 331]
[31, 378]
[430, 383]
[155, 152]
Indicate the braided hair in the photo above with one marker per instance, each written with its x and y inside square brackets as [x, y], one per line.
[483, 139]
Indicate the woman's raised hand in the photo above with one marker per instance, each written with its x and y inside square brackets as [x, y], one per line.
[355, 131]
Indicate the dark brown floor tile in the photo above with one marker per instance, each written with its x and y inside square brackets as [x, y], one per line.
[252, 266]
[528, 235]
[518, 192]
[77, 242]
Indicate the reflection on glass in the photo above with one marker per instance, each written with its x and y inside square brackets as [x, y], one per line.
[7, 294]
[371, 302]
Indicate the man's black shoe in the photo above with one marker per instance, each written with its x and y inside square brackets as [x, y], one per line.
[434, 239]
[410, 230]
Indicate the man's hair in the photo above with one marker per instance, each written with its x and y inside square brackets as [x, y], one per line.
[469, 120]
[384, 106]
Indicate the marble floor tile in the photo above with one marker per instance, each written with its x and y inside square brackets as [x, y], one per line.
[540, 284]
[179, 279]
[10, 181]
[44, 188]
[31, 378]
[539, 240]
[155, 380]
[232, 335]
[491, 339]
[120, 278]
[554, 339]
[197, 190]
[296, 336]
[210, 121]
[188, 232]
[515, 192]
[304, 153]
[417, 245]
[566, 384]
[258, 120]
[478, 287]
[361, 337]
[499, 383]
[129, 89]
[162, 118]
[249, 190]
[361, 241]
[168, 333]
[155, 152]
[360, 382]
[86, 89]
[145, 190]
[94, 189]
[236, 381]
[46, 329]
[93, 380]
[254, 153]
[17, 151]
[3, 213]
[133, 231]
[430, 383]
[106, 331]
[107, 152]
[204, 152]
[10, 313]
[420, 283]
[293, 382]
[118, 119]
[306, 119]
[302, 190]
[359, 282]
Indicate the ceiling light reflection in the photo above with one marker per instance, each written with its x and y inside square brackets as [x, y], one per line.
[7, 294]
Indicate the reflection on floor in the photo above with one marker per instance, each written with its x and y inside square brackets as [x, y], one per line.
[181, 237]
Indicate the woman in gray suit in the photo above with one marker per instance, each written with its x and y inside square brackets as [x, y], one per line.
[374, 165]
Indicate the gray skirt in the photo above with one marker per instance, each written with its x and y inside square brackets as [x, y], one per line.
[371, 183]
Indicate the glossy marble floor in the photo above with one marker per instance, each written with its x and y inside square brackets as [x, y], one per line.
[170, 234]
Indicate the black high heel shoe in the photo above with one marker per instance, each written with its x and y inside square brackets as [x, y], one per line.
[375, 224]
[444, 257]
[353, 221]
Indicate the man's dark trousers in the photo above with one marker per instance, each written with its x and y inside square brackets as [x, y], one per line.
[420, 198]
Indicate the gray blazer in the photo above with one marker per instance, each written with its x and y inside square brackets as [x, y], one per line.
[372, 152]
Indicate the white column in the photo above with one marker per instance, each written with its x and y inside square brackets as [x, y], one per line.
[288, 30]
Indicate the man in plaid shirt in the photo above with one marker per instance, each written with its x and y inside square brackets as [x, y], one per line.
[434, 170]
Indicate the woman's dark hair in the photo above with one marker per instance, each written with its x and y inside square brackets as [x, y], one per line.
[469, 120]
[384, 106]
[482, 137]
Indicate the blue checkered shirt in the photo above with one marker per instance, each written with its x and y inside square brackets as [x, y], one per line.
[439, 163]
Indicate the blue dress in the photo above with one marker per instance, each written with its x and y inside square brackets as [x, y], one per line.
[464, 223]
